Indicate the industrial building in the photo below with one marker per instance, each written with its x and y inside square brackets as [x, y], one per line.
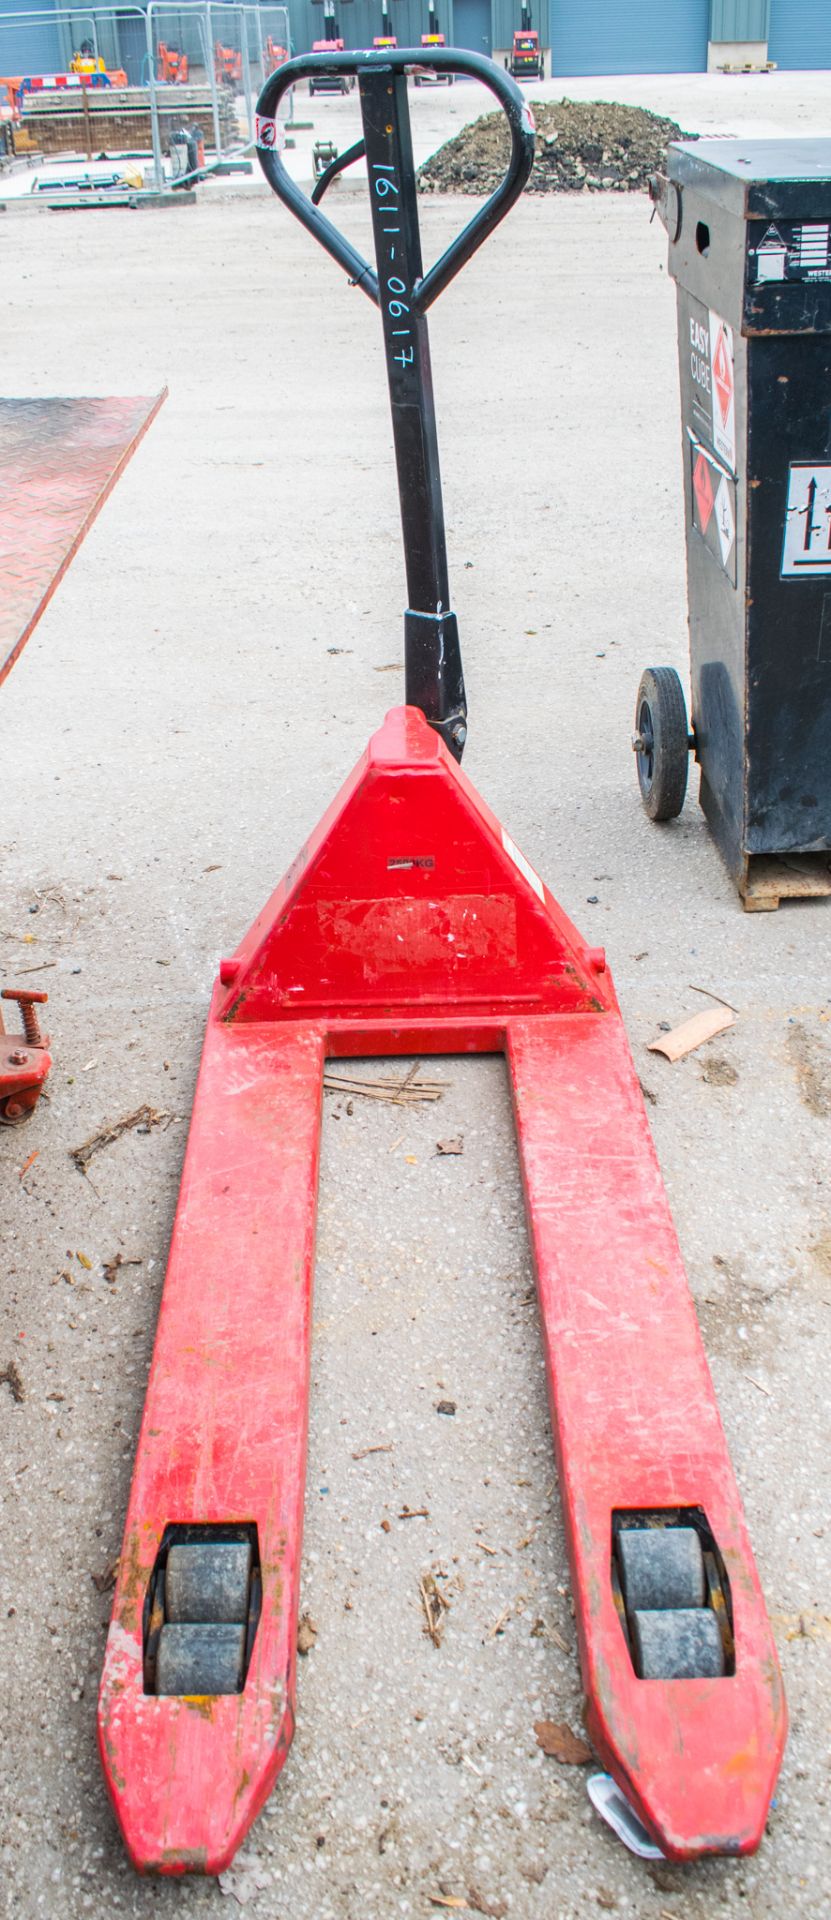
[613, 36]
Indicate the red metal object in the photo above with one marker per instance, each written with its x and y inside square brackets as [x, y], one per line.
[24, 1060]
[173, 66]
[274, 55]
[227, 64]
[59, 460]
[411, 922]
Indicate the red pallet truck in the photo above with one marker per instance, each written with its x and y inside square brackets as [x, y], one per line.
[411, 922]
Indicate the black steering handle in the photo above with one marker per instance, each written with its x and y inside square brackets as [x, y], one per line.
[398, 60]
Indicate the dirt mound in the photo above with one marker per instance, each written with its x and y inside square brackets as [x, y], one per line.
[589, 146]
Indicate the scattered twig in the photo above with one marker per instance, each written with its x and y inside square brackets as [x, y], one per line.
[713, 996]
[385, 1447]
[143, 1116]
[41, 967]
[10, 1377]
[400, 1093]
[499, 1624]
[28, 1163]
[414, 1513]
[758, 1383]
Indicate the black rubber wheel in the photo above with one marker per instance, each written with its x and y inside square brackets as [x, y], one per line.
[200, 1659]
[208, 1583]
[661, 742]
[680, 1644]
[661, 1567]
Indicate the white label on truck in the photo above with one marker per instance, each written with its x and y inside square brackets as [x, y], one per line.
[806, 548]
[524, 865]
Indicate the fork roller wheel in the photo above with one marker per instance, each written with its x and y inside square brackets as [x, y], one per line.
[208, 1582]
[200, 1658]
[681, 1643]
[660, 1567]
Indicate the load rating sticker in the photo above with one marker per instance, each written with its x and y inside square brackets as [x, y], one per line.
[806, 547]
[788, 250]
[714, 506]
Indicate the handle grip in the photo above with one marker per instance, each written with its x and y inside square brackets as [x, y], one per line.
[398, 60]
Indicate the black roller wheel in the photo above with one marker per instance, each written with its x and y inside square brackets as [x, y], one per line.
[208, 1583]
[661, 742]
[681, 1644]
[200, 1658]
[661, 1567]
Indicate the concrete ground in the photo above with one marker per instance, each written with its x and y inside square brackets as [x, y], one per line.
[203, 680]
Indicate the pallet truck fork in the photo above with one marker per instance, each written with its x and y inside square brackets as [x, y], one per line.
[410, 922]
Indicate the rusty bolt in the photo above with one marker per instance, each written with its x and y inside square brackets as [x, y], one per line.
[27, 999]
[18, 1059]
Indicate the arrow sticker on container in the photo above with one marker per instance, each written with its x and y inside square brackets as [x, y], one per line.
[806, 547]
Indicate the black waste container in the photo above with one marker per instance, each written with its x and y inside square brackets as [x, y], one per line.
[749, 224]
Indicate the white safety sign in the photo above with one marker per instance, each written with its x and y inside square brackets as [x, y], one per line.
[806, 547]
[725, 520]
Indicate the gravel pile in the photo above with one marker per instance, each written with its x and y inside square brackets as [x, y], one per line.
[591, 146]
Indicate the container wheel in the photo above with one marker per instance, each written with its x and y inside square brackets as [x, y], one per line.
[661, 742]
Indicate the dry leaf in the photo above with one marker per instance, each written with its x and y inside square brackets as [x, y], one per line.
[84, 1262]
[451, 1146]
[306, 1633]
[102, 1582]
[494, 1909]
[559, 1743]
[28, 1163]
[692, 1033]
[10, 1377]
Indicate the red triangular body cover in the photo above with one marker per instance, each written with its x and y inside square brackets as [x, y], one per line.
[410, 897]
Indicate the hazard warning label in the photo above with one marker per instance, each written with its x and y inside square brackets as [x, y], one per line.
[711, 390]
[724, 395]
[714, 506]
